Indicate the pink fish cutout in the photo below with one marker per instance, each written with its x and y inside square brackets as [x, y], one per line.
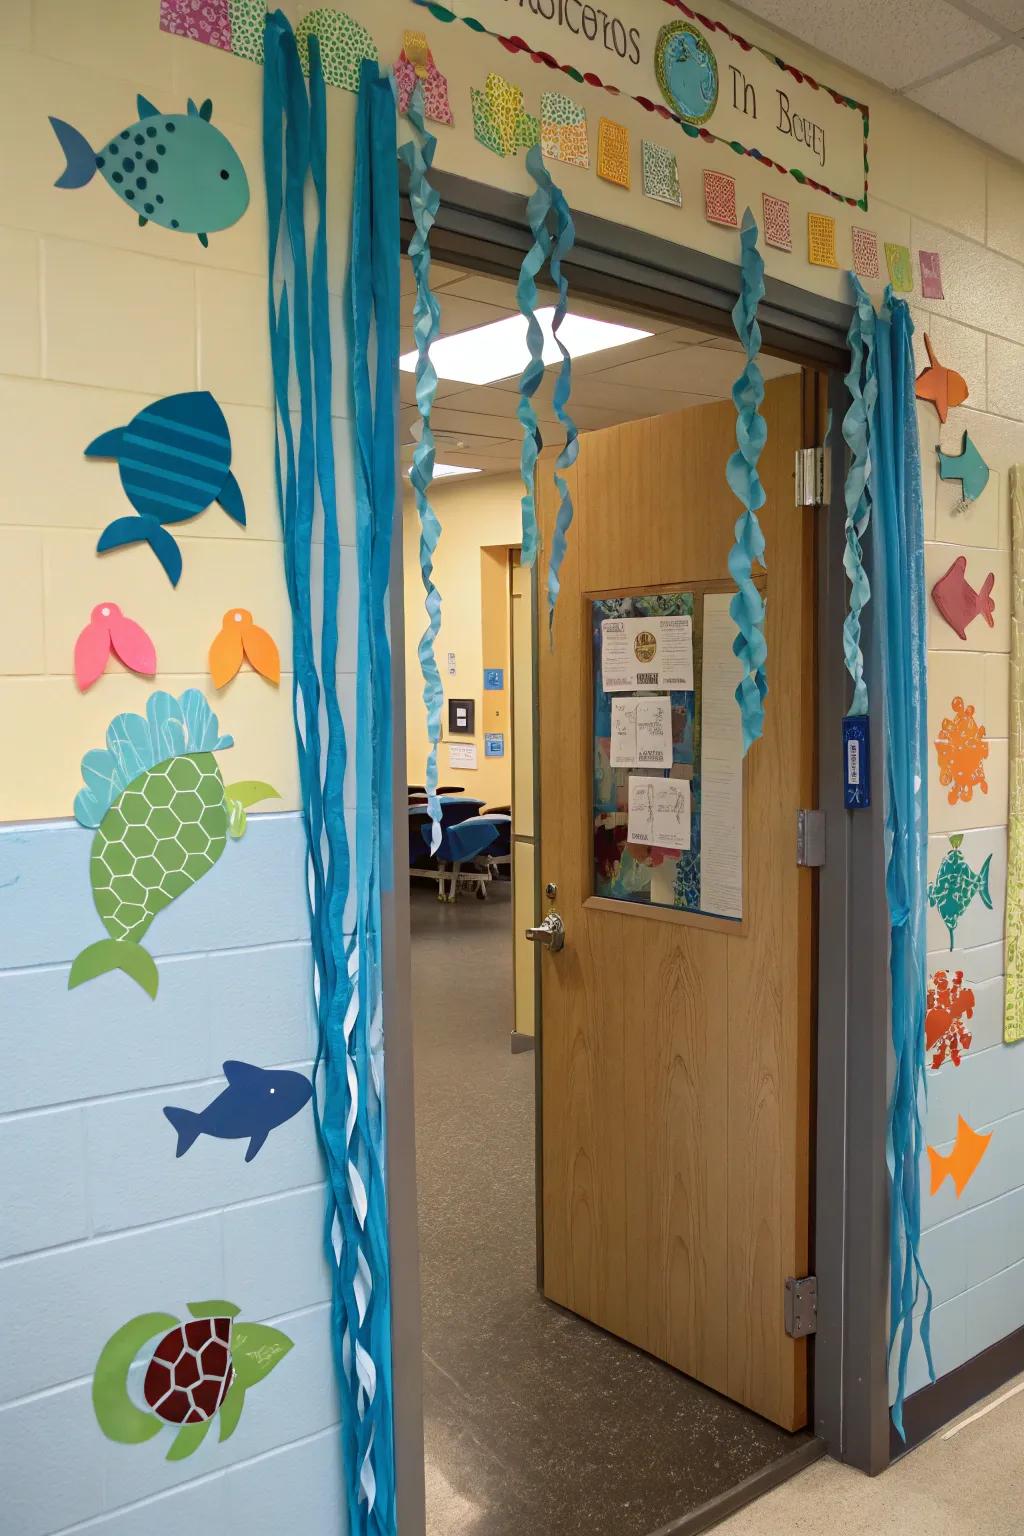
[957, 600]
[108, 630]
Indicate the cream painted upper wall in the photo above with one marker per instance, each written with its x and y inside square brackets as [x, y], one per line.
[98, 317]
[473, 512]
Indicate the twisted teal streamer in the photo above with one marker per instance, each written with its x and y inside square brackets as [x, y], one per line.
[537, 210]
[418, 155]
[862, 383]
[564, 239]
[346, 972]
[899, 524]
[747, 606]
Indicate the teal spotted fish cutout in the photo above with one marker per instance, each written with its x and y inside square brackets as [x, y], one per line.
[956, 885]
[177, 170]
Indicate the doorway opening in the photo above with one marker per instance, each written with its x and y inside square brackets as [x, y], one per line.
[565, 1281]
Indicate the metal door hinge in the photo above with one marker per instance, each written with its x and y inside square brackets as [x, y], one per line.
[802, 1306]
[812, 477]
[810, 839]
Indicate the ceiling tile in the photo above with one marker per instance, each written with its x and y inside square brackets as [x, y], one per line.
[986, 100]
[1009, 13]
[693, 370]
[502, 292]
[457, 314]
[440, 275]
[631, 402]
[893, 41]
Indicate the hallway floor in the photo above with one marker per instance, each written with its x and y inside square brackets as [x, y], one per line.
[966, 1481]
[536, 1422]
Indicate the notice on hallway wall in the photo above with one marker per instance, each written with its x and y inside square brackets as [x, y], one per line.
[641, 732]
[659, 812]
[721, 765]
[647, 654]
[462, 754]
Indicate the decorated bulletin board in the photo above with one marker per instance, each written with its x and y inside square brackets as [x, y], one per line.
[668, 788]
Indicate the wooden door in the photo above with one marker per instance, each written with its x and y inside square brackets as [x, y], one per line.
[676, 1059]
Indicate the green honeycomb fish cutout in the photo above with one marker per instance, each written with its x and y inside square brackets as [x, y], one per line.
[162, 819]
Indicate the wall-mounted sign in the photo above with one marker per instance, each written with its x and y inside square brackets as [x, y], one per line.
[461, 716]
[713, 82]
[494, 679]
[462, 754]
[494, 744]
[451, 663]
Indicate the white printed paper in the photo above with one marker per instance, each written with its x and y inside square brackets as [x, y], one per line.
[655, 654]
[642, 733]
[462, 754]
[721, 765]
[659, 812]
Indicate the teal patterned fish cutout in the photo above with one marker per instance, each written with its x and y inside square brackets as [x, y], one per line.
[967, 466]
[956, 885]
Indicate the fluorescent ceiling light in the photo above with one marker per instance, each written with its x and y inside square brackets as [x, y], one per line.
[500, 351]
[445, 471]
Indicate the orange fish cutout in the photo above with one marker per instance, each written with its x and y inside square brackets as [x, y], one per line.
[240, 637]
[962, 1163]
[942, 386]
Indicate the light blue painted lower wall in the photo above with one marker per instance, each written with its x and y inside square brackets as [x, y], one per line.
[100, 1221]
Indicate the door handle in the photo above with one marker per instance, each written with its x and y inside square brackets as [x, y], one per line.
[551, 932]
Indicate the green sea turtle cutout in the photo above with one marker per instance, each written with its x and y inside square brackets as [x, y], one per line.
[197, 1370]
[162, 815]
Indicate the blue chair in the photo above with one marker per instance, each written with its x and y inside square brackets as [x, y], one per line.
[462, 843]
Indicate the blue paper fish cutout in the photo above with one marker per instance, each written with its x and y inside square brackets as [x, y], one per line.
[175, 169]
[254, 1103]
[967, 466]
[175, 459]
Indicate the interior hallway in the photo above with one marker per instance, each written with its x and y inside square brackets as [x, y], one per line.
[536, 1422]
[966, 1481]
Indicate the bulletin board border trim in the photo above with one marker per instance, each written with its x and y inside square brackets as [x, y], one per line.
[517, 45]
[733, 927]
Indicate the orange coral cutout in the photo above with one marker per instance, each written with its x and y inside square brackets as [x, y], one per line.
[962, 749]
[949, 1004]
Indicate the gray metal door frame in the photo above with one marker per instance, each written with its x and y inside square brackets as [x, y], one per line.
[485, 229]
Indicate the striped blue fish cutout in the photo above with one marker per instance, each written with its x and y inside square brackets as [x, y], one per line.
[175, 460]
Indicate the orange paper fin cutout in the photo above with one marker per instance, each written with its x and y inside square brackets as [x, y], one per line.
[239, 637]
[944, 387]
[962, 1163]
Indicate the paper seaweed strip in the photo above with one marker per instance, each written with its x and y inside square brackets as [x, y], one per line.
[747, 607]
[174, 458]
[162, 816]
[240, 638]
[173, 169]
[109, 630]
[863, 386]
[967, 466]
[418, 154]
[564, 238]
[533, 264]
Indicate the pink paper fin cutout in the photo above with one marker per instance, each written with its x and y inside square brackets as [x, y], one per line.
[957, 600]
[109, 630]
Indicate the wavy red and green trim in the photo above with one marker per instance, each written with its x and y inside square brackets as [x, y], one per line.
[515, 44]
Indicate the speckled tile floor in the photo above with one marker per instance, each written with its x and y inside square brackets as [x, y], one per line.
[537, 1423]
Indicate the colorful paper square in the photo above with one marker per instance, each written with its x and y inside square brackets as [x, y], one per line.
[344, 44]
[661, 174]
[901, 272]
[613, 152]
[499, 121]
[248, 18]
[563, 129]
[865, 252]
[416, 67]
[775, 219]
[720, 199]
[931, 275]
[821, 240]
[204, 21]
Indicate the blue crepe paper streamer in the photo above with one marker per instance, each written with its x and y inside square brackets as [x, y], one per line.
[346, 976]
[564, 240]
[899, 536]
[537, 210]
[862, 383]
[747, 607]
[418, 155]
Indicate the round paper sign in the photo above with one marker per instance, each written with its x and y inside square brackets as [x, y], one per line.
[687, 71]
